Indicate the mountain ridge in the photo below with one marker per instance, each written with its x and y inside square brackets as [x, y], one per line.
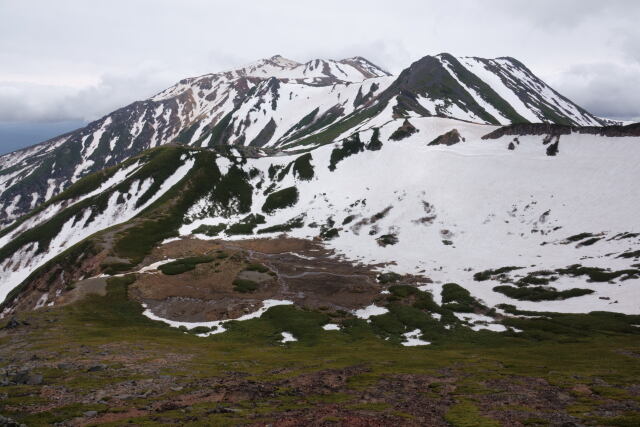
[276, 104]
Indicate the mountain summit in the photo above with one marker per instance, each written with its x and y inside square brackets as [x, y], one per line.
[346, 70]
[277, 104]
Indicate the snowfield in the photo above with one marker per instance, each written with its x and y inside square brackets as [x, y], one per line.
[477, 205]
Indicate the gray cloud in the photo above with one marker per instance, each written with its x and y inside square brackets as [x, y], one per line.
[72, 59]
[566, 15]
[48, 103]
[605, 89]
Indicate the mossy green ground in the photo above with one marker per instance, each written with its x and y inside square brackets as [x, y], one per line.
[179, 266]
[252, 350]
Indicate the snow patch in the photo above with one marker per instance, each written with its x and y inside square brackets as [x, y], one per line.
[218, 324]
[371, 310]
[287, 337]
[412, 339]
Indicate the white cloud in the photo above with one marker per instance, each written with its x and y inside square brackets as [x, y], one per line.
[73, 58]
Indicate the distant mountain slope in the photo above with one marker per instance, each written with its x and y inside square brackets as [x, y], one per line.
[421, 194]
[277, 104]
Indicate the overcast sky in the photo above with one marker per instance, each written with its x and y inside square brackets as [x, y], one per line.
[77, 59]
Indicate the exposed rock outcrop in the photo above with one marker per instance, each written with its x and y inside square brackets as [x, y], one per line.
[554, 129]
[450, 138]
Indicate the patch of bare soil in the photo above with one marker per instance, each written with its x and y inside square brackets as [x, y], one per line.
[280, 246]
[48, 285]
[205, 293]
[302, 271]
[92, 286]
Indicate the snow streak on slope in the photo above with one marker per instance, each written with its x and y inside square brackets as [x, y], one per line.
[121, 207]
[49, 211]
[218, 325]
[473, 206]
[477, 97]
[289, 105]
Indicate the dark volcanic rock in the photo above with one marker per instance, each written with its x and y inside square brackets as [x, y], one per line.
[529, 129]
[387, 239]
[8, 422]
[554, 130]
[450, 138]
[404, 131]
[14, 323]
[27, 378]
[552, 149]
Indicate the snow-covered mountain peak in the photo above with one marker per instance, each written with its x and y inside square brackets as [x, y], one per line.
[274, 66]
[317, 70]
[277, 104]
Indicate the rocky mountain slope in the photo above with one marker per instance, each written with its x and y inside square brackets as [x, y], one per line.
[277, 104]
[493, 209]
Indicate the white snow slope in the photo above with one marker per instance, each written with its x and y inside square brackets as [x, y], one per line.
[474, 206]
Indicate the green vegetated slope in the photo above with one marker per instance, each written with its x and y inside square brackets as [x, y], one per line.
[571, 368]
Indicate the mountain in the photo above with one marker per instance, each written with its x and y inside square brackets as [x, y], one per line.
[277, 104]
[391, 250]
[197, 164]
[424, 194]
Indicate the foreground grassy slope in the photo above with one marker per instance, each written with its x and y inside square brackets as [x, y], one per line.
[102, 355]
